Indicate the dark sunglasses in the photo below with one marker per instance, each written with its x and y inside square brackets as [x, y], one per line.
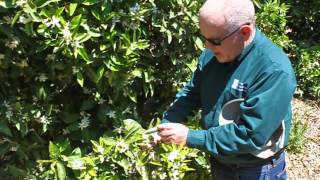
[218, 42]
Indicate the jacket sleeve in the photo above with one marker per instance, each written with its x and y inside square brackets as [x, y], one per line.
[267, 105]
[187, 100]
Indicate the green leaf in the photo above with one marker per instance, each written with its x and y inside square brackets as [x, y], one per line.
[42, 3]
[100, 73]
[199, 43]
[92, 74]
[169, 35]
[58, 13]
[70, 117]
[107, 141]
[7, 4]
[76, 152]
[73, 127]
[17, 172]
[4, 129]
[90, 2]
[80, 79]
[101, 114]
[4, 148]
[83, 53]
[137, 73]
[53, 150]
[95, 12]
[75, 22]
[75, 163]
[133, 130]
[61, 171]
[64, 146]
[87, 105]
[85, 134]
[16, 17]
[94, 34]
[83, 37]
[24, 129]
[124, 163]
[72, 8]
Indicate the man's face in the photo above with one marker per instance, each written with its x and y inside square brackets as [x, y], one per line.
[231, 43]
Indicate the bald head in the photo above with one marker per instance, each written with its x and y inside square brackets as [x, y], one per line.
[228, 13]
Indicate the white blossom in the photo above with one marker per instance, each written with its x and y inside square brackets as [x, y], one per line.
[21, 3]
[6, 104]
[173, 155]
[42, 77]
[117, 1]
[24, 19]
[122, 146]
[55, 22]
[119, 130]
[75, 43]
[75, 70]
[67, 34]
[111, 114]
[65, 131]
[101, 101]
[86, 90]
[14, 148]
[101, 158]
[115, 19]
[34, 98]
[84, 122]
[12, 44]
[7, 19]
[50, 57]
[163, 176]
[152, 155]
[175, 174]
[127, 110]
[153, 174]
[44, 120]
[24, 63]
[9, 114]
[134, 9]
[100, 149]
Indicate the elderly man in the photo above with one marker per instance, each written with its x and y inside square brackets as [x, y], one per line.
[238, 63]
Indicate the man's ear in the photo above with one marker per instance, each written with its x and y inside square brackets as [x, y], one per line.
[246, 31]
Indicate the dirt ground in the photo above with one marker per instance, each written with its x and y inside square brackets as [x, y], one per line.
[306, 166]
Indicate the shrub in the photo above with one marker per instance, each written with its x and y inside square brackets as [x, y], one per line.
[308, 70]
[71, 70]
[124, 154]
[297, 138]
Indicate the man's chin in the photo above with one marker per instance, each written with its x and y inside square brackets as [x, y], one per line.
[223, 60]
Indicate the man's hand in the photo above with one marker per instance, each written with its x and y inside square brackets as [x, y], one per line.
[173, 133]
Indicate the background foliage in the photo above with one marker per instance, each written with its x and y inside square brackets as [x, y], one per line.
[71, 71]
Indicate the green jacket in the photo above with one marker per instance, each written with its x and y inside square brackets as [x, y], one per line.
[262, 75]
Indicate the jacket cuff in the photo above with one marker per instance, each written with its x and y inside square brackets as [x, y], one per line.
[196, 138]
[164, 121]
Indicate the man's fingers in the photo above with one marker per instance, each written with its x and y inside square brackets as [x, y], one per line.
[167, 139]
[166, 126]
[165, 133]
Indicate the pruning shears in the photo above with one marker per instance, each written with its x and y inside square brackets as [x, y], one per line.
[151, 130]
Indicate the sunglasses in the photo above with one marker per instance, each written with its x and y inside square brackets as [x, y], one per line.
[218, 42]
